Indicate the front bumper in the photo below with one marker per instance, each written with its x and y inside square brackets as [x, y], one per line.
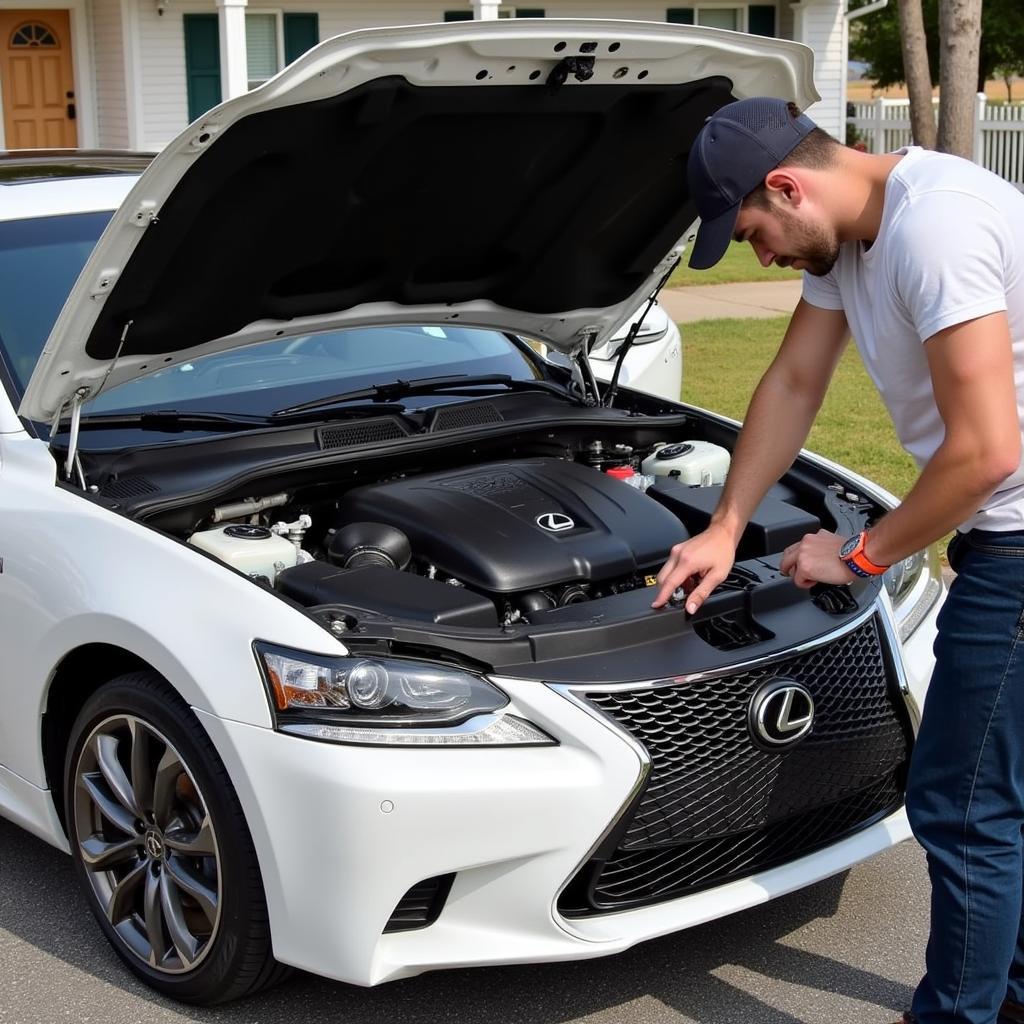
[343, 832]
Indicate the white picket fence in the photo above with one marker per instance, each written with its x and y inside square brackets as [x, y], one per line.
[884, 125]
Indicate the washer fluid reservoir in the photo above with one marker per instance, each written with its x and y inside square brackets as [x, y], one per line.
[697, 462]
[253, 550]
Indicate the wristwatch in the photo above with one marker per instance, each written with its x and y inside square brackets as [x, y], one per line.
[851, 554]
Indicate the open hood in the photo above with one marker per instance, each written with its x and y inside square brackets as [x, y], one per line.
[525, 175]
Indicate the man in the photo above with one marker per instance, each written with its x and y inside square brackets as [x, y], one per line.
[921, 256]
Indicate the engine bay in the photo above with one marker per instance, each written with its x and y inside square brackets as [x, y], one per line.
[510, 534]
[537, 542]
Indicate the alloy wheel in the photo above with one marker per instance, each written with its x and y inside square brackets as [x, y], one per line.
[148, 844]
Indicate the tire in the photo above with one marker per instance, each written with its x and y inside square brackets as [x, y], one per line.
[161, 846]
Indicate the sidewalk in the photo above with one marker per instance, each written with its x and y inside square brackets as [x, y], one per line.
[753, 299]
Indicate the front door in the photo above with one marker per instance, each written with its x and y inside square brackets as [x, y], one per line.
[37, 80]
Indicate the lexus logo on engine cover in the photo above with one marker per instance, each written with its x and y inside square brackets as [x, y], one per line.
[781, 712]
[555, 522]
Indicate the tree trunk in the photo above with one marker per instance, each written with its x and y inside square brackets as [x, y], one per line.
[959, 44]
[917, 73]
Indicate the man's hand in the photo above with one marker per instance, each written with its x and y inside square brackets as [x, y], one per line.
[697, 565]
[815, 559]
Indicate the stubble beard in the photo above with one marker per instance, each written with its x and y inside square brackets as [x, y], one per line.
[814, 245]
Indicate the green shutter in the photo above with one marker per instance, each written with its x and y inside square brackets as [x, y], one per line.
[761, 20]
[202, 63]
[529, 12]
[301, 33]
[458, 15]
[680, 15]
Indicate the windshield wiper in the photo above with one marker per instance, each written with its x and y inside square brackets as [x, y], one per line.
[171, 420]
[427, 386]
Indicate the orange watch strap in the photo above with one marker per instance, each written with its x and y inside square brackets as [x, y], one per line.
[860, 558]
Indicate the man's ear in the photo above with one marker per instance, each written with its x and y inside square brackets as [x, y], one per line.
[785, 186]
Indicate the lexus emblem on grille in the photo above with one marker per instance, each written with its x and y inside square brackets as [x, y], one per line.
[555, 522]
[781, 712]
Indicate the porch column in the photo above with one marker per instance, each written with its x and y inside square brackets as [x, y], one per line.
[486, 10]
[234, 71]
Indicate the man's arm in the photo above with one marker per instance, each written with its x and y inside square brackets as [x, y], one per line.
[776, 425]
[971, 367]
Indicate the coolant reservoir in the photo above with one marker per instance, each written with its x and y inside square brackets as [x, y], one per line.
[697, 462]
[253, 550]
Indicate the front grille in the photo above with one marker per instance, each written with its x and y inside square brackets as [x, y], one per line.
[716, 806]
[652, 875]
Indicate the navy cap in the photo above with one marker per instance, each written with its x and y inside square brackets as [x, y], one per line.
[738, 145]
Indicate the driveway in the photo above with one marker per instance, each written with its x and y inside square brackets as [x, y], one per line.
[847, 951]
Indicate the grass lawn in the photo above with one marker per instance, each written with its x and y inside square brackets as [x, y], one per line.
[724, 359]
[738, 264]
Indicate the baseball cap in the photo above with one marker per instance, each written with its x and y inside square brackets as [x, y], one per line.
[738, 145]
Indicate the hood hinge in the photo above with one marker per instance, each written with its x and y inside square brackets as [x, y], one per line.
[583, 372]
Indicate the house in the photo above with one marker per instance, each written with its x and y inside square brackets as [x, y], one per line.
[133, 73]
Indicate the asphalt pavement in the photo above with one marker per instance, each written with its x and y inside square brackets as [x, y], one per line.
[846, 951]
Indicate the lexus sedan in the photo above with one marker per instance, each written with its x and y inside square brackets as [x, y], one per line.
[325, 599]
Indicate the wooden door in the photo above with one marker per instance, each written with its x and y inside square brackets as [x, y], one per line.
[37, 80]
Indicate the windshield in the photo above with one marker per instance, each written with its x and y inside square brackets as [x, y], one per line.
[40, 258]
[261, 378]
[39, 262]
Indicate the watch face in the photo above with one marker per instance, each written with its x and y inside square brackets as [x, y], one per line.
[849, 546]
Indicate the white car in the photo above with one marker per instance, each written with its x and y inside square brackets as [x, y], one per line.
[325, 601]
[654, 360]
[651, 360]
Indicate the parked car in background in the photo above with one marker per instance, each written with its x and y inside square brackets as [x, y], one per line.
[653, 363]
[325, 600]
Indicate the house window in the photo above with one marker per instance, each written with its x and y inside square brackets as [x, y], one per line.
[721, 17]
[269, 35]
[503, 12]
[262, 46]
[758, 19]
[33, 34]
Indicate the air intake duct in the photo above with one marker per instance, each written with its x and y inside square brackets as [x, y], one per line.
[359, 545]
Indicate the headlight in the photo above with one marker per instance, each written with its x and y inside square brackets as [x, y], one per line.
[900, 578]
[653, 327]
[387, 700]
[912, 600]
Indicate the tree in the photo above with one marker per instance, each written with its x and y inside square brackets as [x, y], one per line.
[917, 72]
[876, 41]
[960, 39]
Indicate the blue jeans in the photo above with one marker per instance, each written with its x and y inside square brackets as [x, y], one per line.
[965, 792]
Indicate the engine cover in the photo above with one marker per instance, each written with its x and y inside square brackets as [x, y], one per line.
[514, 526]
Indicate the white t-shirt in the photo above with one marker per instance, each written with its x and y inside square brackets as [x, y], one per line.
[950, 248]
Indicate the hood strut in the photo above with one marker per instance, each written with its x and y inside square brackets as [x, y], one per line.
[71, 462]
